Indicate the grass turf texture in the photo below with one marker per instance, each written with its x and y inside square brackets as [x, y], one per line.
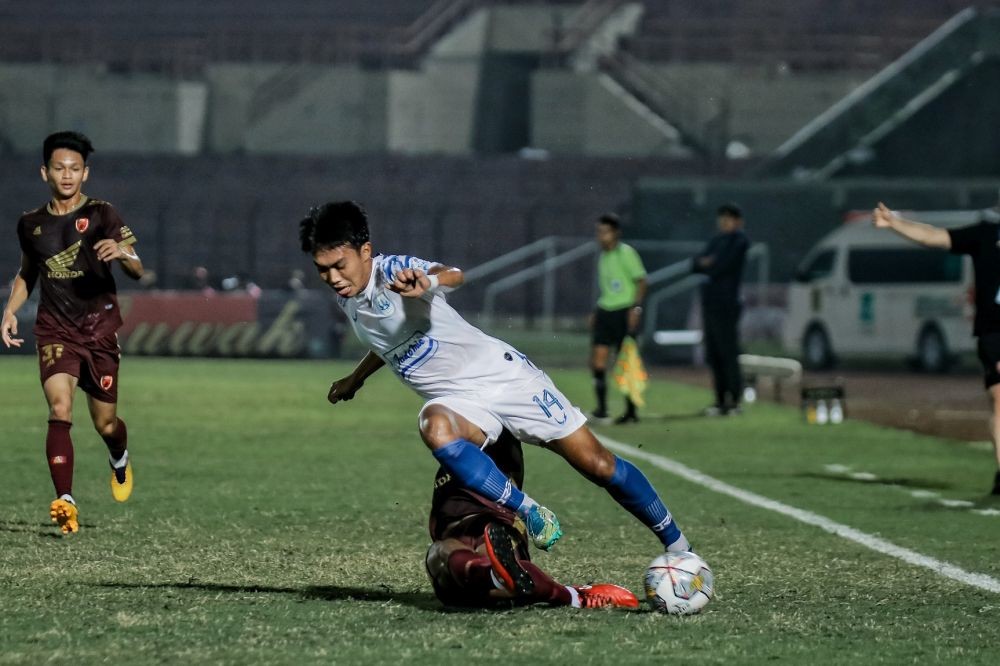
[270, 527]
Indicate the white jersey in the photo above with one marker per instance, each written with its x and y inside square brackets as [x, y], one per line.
[426, 342]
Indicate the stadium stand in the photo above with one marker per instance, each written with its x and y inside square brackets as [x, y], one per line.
[804, 35]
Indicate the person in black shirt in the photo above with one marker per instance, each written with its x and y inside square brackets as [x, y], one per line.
[722, 261]
[982, 243]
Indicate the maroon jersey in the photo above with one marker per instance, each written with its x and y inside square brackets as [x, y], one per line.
[78, 301]
[458, 512]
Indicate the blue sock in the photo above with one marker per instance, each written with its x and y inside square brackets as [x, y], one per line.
[632, 490]
[476, 471]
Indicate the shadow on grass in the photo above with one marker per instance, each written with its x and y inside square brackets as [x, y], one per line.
[904, 482]
[421, 600]
[47, 531]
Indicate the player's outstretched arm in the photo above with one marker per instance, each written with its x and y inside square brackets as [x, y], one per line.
[20, 289]
[346, 387]
[109, 250]
[413, 282]
[917, 232]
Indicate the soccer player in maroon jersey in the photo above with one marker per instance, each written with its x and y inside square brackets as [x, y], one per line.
[480, 558]
[68, 246]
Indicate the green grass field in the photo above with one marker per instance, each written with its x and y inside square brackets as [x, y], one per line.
[270, 527]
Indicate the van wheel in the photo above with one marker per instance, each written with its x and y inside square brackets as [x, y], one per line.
[932, 352]
[817, 354]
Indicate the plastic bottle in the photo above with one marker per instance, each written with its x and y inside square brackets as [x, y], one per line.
[836, 412]
[822, 413]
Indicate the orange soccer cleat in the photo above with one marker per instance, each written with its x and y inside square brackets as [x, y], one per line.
[605, 595]
[66, 515]
[499, 540]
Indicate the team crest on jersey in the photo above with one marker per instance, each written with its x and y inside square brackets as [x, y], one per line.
[106, 382]
[82, 224]
[384, 305]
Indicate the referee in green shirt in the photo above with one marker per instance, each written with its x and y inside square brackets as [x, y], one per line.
[621, 278]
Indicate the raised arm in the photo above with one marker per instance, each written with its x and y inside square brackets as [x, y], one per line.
[108, 250]
[413, 282]
[918, 232]
[20, 289]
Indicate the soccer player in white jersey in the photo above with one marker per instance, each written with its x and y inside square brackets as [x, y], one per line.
[475, 385]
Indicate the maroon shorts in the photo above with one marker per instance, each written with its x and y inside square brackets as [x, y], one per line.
[95, 365]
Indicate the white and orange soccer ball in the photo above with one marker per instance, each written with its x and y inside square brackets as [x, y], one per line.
[679, 583]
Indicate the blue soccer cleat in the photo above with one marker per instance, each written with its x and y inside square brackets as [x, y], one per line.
[543, 527]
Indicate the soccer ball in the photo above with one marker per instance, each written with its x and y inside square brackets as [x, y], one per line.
[679, 583]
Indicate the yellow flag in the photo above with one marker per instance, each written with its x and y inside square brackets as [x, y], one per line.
[630, 375]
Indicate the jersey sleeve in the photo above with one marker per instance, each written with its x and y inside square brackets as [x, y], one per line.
[22, 239]
[966, 240]
[114, 228]
[633, 264]
[393, 263]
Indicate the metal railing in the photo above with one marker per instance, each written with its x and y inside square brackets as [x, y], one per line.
[547, 269]
[553, 260]
[687, 281]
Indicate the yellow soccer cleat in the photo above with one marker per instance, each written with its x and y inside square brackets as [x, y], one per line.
[121, 482]
[66, 515]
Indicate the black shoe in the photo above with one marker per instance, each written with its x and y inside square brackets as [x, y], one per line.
[996, 485]
[599, 416]
[500, 549]
[627, 418]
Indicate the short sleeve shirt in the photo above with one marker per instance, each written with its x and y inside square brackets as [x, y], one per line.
[617, 272]
[982, 243]
[429, 346]
[78, 295]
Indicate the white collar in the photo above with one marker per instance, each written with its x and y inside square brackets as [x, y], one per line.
[368, 293]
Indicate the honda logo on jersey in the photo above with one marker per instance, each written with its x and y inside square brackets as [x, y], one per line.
[82, 224]
[106, 382]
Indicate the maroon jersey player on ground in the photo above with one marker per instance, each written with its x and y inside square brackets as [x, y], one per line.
[479, 557]
[67, 246]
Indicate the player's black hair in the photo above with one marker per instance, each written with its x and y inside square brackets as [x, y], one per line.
[332, 225]
[730, 210]
[74, 141]
[611, 220]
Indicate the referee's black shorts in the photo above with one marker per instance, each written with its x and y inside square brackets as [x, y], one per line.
[989, 355]
[610, 327]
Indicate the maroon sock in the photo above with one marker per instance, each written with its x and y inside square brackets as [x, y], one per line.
[117, 441]
[59, 451]
[546, 589]
[471, 571]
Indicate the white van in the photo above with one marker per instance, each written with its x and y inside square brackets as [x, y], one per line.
[864, 291]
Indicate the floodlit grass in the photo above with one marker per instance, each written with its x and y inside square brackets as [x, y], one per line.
[270, 527]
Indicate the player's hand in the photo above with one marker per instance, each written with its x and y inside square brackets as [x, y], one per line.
[882, 217]
[634, 315]
[343, 389]
[109, 250]
[9, 328]
[410, 282]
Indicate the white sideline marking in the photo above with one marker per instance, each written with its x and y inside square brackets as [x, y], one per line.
[836, 468]
[871, 541]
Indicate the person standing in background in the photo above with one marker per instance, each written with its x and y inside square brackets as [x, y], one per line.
[722, 261]
[621, 278]
[982, 243]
